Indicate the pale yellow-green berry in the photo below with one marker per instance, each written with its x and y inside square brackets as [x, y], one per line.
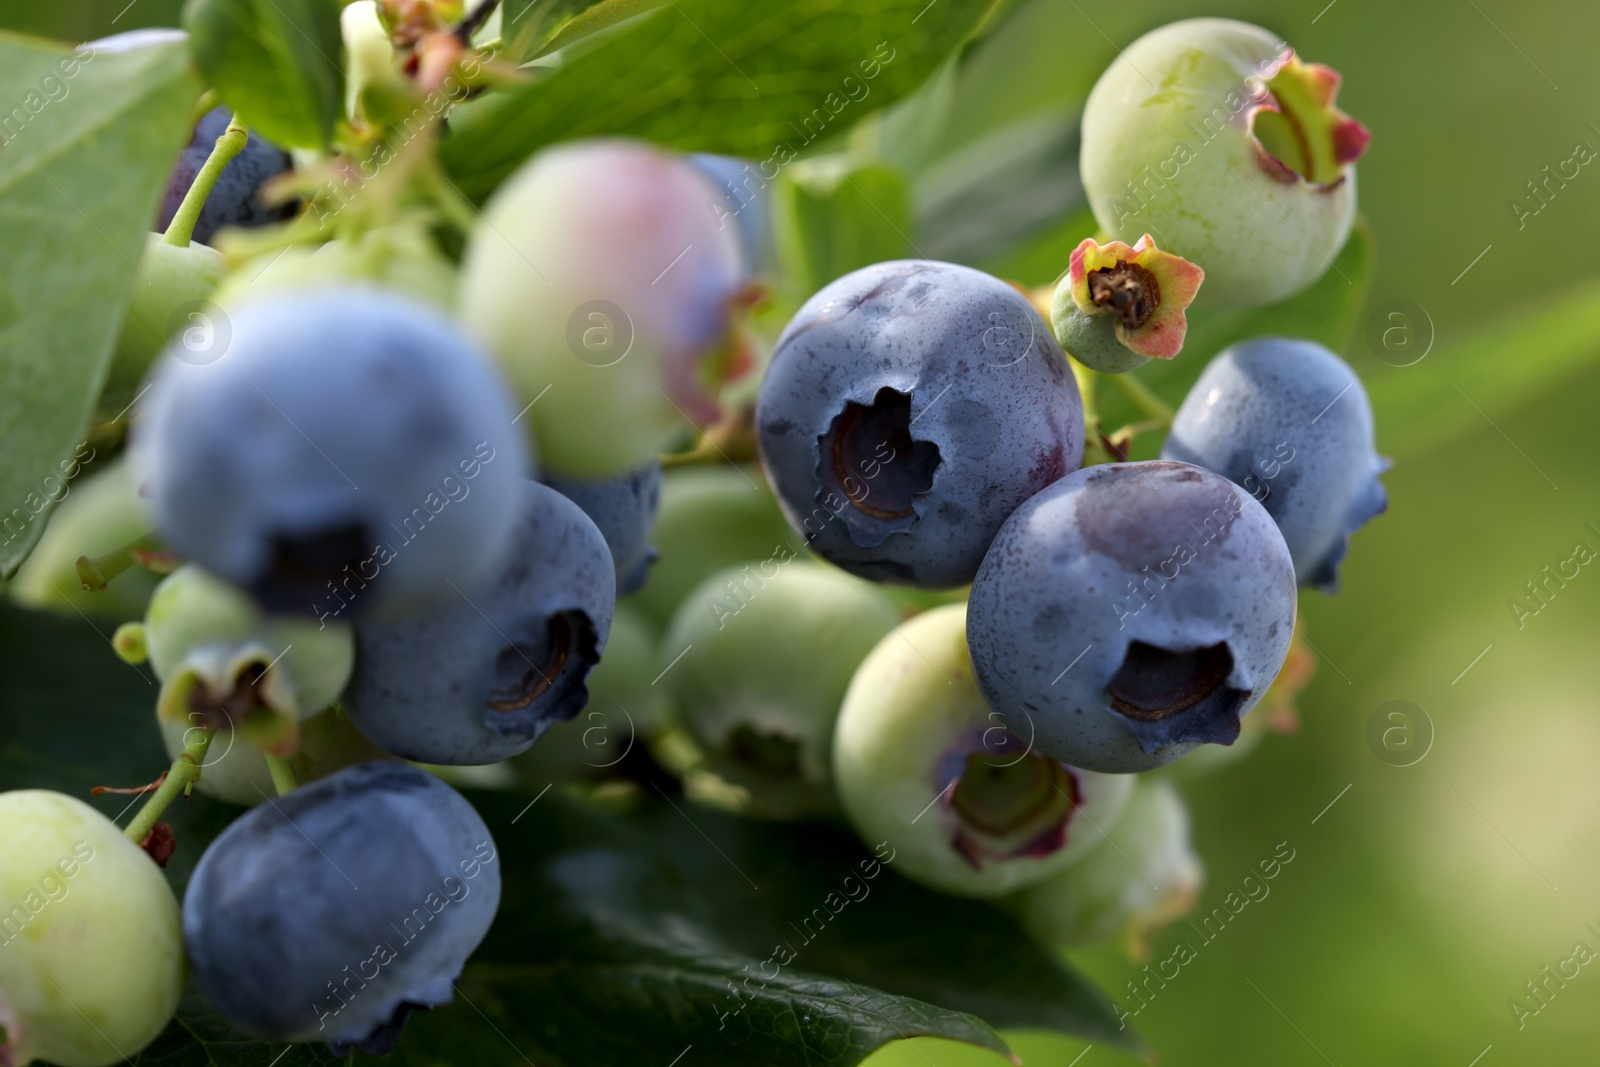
[91, 944]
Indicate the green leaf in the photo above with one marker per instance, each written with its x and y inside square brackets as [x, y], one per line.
[831, 217]
[73, 716]
[85, 158]
[541, 26]
[994, 165]
[763, 81]
[199, 1037]
[1001, 191]
[1044, 258]
[1502, 367]
[623, 937]
[278, 63]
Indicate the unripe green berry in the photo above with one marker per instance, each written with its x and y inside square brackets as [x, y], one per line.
[600, 273]
[91, 945]
[235, 771]
[222, 663]
[100, 513]
[1090, 339]
[168, 290]
[622, 679]
[395, 257]
[710, 517]
[1214, 137]
[767, 651]
[921, 762]
[624, 709]
[369, 55]
[1145, 876]
[1120, 306]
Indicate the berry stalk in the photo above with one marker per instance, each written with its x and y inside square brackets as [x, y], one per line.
[1144, 398]
[230, 144]
[1094, 449]
[208, 100]
[282, 777]
[184, 773]
[96, 572]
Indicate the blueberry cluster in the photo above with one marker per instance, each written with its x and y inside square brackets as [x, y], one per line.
[369, 565]
[921, 428]
[423, 506]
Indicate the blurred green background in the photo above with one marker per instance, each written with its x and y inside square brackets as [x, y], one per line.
[1419, 904]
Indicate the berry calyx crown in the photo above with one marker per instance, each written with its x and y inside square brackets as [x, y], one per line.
[1145, 288]
[1300, 133]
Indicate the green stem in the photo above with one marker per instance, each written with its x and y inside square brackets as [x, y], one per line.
[457, 209]
[95, 572]
[1086, 389]
[1123, 436]
[1144, 398]
[1094, 450]
[184, 773]
[230, 144]
[203, 106]
[282, 777]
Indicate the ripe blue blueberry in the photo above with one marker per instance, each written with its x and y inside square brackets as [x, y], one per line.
[349, 450]
[624, 508]
[1131, 612]
[235, 199]
[909, 408]
[332, 912]
[479, 682]
[1290, 422]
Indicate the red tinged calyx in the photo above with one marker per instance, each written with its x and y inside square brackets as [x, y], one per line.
[1299, 131]
[1350, 140]
[1011, 805]
[1146, 289]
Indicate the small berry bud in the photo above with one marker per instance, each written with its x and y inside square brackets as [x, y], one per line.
[1119, 307]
